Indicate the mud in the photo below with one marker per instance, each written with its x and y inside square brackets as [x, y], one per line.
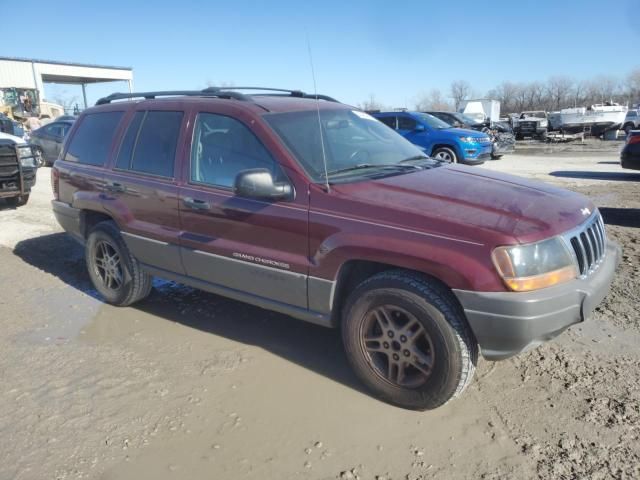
[190, 385]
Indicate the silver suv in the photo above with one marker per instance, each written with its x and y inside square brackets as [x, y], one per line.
[631, 121]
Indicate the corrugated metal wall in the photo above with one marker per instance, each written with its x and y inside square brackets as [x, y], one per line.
[16, 74]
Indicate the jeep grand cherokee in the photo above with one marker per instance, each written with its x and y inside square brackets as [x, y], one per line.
[300, 204]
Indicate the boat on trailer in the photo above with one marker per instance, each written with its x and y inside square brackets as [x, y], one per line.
[594, 120]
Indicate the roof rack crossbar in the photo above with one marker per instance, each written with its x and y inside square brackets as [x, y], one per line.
[174, 93]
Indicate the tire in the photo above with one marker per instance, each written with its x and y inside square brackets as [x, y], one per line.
[495, 157]
[445, 153]
[627, 128]
[115, 273]
[435, 332]
[18, 201]
[40, 160]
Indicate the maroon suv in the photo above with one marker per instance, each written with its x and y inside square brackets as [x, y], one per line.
[300, 204]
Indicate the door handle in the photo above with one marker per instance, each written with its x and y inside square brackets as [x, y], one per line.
[196, 204]
[115, 187]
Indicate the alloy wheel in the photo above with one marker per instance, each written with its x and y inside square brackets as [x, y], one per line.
[108, 266]
[397, 346]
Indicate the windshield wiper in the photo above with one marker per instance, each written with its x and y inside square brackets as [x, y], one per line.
[415, 157]
[362, 166]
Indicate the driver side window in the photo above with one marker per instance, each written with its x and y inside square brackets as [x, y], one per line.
[222, 147]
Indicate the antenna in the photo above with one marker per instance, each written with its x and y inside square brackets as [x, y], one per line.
[315, 93]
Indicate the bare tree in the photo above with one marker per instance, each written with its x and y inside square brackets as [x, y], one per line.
[371, 104]
[460, 91]
[432, 101]
[633, 86]
[559, 90]
[505, 93]
[68, 102]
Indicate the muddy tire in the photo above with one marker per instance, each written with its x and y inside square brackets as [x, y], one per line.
[445, 153]
[18, 201]
[39, 156]
[407, 339]
[115, 273]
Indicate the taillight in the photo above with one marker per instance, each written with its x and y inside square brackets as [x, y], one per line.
[631, 139]
[55, 183]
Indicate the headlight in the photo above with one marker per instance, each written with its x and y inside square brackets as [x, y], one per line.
[544, 123]
[469, 139]
[28, 162]
[536, 265]
[25, 155]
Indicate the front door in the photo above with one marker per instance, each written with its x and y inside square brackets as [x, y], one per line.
[251, 246]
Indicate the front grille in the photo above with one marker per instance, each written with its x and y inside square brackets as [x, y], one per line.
[9, 168]
[589, 244]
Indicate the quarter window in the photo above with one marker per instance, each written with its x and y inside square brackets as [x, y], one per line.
[222, 147]
[93, 138]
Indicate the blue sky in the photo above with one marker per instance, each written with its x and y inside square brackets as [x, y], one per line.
[394, 50]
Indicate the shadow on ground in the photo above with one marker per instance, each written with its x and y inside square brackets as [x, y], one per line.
[316, 348]
[617, 176]
[623, 217]
[609, 163]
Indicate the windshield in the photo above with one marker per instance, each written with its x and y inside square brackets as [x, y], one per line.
[466, 119]
[432, 121]
[355, 143]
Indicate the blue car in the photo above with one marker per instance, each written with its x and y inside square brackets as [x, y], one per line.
[437, 138]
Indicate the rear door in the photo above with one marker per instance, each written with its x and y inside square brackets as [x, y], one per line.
[141, 192]
[52, 138]
[252, 246]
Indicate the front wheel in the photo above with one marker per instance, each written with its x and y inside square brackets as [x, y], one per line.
[445, 153]
[408, 341]
[39, 156]
[115, 273]
[18, 201]
[495, 157]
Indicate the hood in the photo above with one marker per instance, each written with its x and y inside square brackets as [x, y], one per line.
[13, 138]
[471, 203]
[467, 132]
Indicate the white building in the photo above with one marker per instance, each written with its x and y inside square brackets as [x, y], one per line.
[25, 77]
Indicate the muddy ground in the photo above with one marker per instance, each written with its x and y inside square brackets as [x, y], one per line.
[188, 385]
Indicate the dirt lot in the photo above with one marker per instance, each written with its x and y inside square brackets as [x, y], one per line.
[188, 385]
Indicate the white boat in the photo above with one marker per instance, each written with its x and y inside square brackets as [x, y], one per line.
[595, 119]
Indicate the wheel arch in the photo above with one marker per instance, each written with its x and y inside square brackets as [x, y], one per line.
[353, 272]
[449, 146]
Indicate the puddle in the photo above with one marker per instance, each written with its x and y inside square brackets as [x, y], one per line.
[65, 313]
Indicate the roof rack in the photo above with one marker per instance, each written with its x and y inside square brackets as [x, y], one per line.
[215, 92]
[173, 93]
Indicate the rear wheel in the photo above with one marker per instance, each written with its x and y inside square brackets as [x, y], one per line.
[628, 128]
[445, 153]
[408, 341]
[115, 273]
[18, 201]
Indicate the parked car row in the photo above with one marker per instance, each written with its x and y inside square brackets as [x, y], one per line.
[306, 206]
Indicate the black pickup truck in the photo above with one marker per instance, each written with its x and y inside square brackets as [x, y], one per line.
[18, 168]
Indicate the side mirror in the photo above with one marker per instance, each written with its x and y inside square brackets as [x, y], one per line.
[258, 183]
[419, 128]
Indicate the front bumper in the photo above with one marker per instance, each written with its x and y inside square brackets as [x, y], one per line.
[508, 323]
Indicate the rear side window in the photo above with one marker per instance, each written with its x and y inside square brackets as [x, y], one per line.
[92, 140]
[150, 143]
[406, 123]
[389, 121]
